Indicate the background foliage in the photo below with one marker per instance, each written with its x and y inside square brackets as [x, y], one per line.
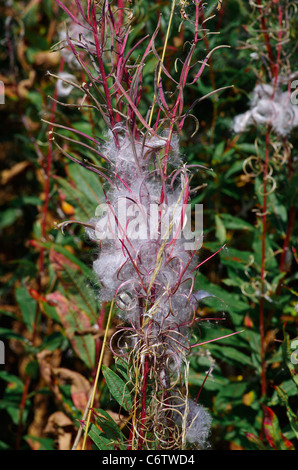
[52, 324]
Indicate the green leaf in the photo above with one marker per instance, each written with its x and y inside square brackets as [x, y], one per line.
[51, 312]
[12, 397]
[99, 438]
[236, 259]
[235, 168]
[256, 441]
[30, 18]
[218, 153]
[84, 346]
[72, 276]
[84, 210]
[4, 446]
[46, 443]
[87, 183]
[244, 147]
[230, 395]
[47, 6]
[226, 300]
[118, 388]
[88, 272]
[13, 379]
[293, 419]
[28, 306]
[215, 382]
[122, 367]
[35, 98]
[230, 355]
[85, 193]
[32, 369]
[54, 341]
[106, 434]
[220, 230]
[290, 357]
[6, 333]
[9, 216]
[288, 388]
[235, 223]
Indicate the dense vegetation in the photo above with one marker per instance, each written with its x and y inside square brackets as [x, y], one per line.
[241, 145]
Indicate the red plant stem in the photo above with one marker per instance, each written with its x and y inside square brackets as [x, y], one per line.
[263, 273]
[220, 16]
[48, 178]
[266, 37]
[210, 61]
[212, 80]
[129, 447]
[120, 14]
[275, 71]
[279, 48]
[201, 388]
[22, 408]
[178, 107]
[99, 51]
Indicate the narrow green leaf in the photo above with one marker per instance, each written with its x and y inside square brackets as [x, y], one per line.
[235, 223]
[118, 388]
[4, 375]
[122, 367]
[229, 354]
[88, 183]
[101, 441]
[293, 418]
[46, 443]
[290, 356]
[6, 333]
[220, 230]
[105, 433]
[109, 428]
[28, 306]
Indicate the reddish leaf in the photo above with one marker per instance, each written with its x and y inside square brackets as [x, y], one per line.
[64, 307]
[75, 321]
[59, 262]
[273, 433]
[255, 440]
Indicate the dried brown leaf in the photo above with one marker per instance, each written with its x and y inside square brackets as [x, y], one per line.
[8, 174]
[61, 427]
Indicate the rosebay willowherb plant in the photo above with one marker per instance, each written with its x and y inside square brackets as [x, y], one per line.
[273, 119]
[145, 264]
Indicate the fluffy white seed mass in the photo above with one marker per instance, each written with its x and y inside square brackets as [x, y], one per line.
[195, 421]
[143, 262]
[139, 255]
[198, 423]
[269, 107]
